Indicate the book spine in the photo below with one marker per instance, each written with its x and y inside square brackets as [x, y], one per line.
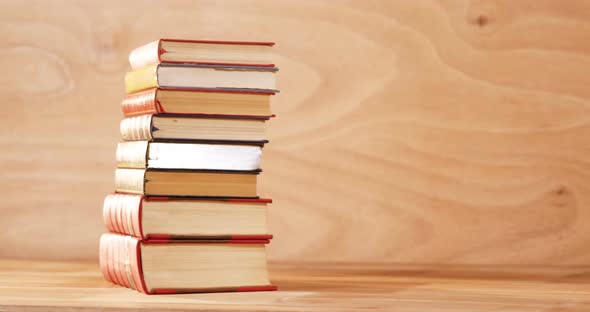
[141, 79]
[147, 54]
[132, 154]
[141, 103]
[130, 180]
[136, 128]
[120, 261]
[122, 214]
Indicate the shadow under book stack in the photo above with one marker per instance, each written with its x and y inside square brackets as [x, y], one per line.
[186, 216]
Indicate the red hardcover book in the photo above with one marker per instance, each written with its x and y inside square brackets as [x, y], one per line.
[198, 102]
[225, 219]
[202, 52]
[186, 266]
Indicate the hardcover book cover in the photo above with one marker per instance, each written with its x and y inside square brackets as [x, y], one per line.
[121, 264]
[122, 213]
[152, 52]
[147, 102]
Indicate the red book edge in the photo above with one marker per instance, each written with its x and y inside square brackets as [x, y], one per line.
[210, 238]
[170, 291]
[162, 50]
[144, 288]
[266, 43]
[206, 115]
[237, 200]
[159, 241]
[140, 216]
[214, 90]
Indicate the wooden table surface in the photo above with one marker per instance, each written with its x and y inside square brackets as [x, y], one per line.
[46, 286]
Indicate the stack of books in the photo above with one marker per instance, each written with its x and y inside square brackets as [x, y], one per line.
[186, 216]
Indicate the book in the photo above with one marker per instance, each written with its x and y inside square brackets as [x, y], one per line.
[198, 102]
[185, 215]
[168, 155]
[221, 77]
[206, 183]
[202, 52]
[162, 266]
[171, 127]
[181, 218]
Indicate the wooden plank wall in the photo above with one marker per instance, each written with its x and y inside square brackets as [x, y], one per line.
[451, 132]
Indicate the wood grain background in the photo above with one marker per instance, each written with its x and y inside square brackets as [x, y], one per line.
[451, 132]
